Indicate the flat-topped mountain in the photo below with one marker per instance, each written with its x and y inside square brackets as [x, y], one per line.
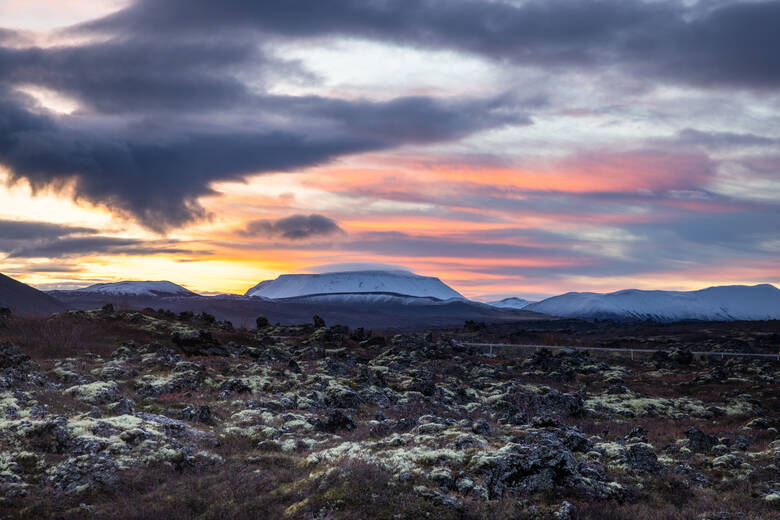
[395, 282]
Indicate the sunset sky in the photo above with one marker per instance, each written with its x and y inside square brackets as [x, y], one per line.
[511, 148]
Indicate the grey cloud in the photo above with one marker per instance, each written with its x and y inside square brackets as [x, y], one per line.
[720, 140]
[36, 267]
[727, 43]
[135, 74]
[32, 230]
[78, 246]
[166, 112]
[294, 227]
[156, 172]
[153, 166]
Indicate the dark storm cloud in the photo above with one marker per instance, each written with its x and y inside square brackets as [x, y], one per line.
[78, 246]
[155, 176]
[155, 169]
[136, 74]
[162, 118]
[707, 44]
[294, 227]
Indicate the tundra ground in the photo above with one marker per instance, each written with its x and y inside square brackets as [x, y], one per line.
[151, 414]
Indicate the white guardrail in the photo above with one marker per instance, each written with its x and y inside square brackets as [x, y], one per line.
[492, 346]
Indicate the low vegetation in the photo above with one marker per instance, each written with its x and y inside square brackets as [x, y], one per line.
[141, 415]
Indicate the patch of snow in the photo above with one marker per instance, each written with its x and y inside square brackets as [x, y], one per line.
[145, 288]
[398, 283]
[727, 303]
[511, 303]
[372, 299]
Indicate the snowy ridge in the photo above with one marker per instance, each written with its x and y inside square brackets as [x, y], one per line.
[726, 303]
[402, 283]
[146, 288]
[511, 303]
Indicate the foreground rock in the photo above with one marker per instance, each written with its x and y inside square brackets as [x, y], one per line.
[309, 422]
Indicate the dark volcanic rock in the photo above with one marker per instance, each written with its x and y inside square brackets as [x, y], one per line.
[12, 357]
[198, 343]
[334, 422]
[85, 473]
[642, 457]
[546, 466]
[698, 441]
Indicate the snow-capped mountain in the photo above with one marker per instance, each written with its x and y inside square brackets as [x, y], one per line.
[732, 302]
[354, 282]
[511, 303]
[140, 288]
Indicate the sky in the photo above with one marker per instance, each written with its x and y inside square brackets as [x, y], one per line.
[511, 148]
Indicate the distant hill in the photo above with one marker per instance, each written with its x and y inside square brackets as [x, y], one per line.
[722, 303]
[398, 283]
[139, 288]
[511, 303]
[23, 299]
[370, 310]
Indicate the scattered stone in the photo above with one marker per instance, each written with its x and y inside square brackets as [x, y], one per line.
[198, 343]
[637, 434]
[698, 441]
[759, 423]
[481, 427]
[200, 414]
[565, 511]
[95, 393]
[642, 457]
[335, 421]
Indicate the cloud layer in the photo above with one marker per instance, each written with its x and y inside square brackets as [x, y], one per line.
[594, 144]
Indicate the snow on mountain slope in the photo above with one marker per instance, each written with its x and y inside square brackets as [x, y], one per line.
[511, 303]
[368, 299]
[146, 288]
[391, 282]
[733, 302]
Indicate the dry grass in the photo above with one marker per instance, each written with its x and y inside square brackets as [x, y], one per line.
[69, 335]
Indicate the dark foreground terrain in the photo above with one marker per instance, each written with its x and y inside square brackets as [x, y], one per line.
[109, 414]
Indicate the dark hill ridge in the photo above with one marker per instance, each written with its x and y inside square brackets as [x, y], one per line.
[386, 312]
[23, 299]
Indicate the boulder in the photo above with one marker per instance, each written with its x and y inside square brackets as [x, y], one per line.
[642, 457]
[698, 441]
[334, 422]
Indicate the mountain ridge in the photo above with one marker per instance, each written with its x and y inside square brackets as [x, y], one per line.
[716, 303]
[21, 298]
[137, 288]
